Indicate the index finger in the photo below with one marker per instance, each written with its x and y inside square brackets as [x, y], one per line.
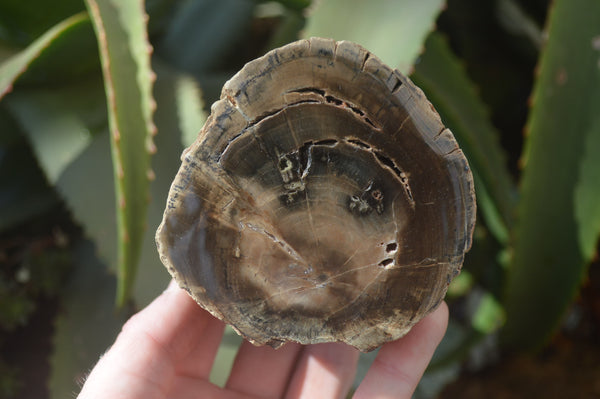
[399, 365]
[154, 346]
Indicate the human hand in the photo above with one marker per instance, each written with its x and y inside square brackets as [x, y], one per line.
[167, 351]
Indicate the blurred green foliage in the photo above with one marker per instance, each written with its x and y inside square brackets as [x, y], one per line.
[86, 85]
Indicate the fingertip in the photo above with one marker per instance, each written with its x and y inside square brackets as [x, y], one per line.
[437, 321]
[174, 321]
[400, 364]
[324, 370]
[263, 371]
[171, 335]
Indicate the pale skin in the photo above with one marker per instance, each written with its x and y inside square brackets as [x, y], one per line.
[167, 351]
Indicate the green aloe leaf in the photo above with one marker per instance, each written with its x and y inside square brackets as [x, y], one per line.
[587, 192]
[288, 30]
[16, 65]
[439, 73]
[392, 30]
[70, 58]
[125, 53]
[190, 107]
[203, 33]
[23, 21]
[59, 122]
[548, 264]
[296, 5]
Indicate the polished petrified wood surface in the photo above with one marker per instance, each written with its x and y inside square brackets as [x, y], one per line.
[322, 201]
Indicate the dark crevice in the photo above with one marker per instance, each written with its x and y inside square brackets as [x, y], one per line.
[390, 164]
[408, 192]
[397, 86]
[327, 142]
[228, 144]
[391, 247]
[332, 99]
[329, 99]
[310, 90]
[359, 143]
[367, 55]
[356, 109]
[303, 102]
[401, 175]
[437, 136]
[371, 123]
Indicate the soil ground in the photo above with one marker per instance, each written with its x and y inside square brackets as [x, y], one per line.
[568, 368]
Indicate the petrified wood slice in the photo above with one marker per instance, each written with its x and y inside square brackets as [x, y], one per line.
[322, 201]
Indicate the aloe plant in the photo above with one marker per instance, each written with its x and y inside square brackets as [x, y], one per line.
[125, 56]
[558, 221]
